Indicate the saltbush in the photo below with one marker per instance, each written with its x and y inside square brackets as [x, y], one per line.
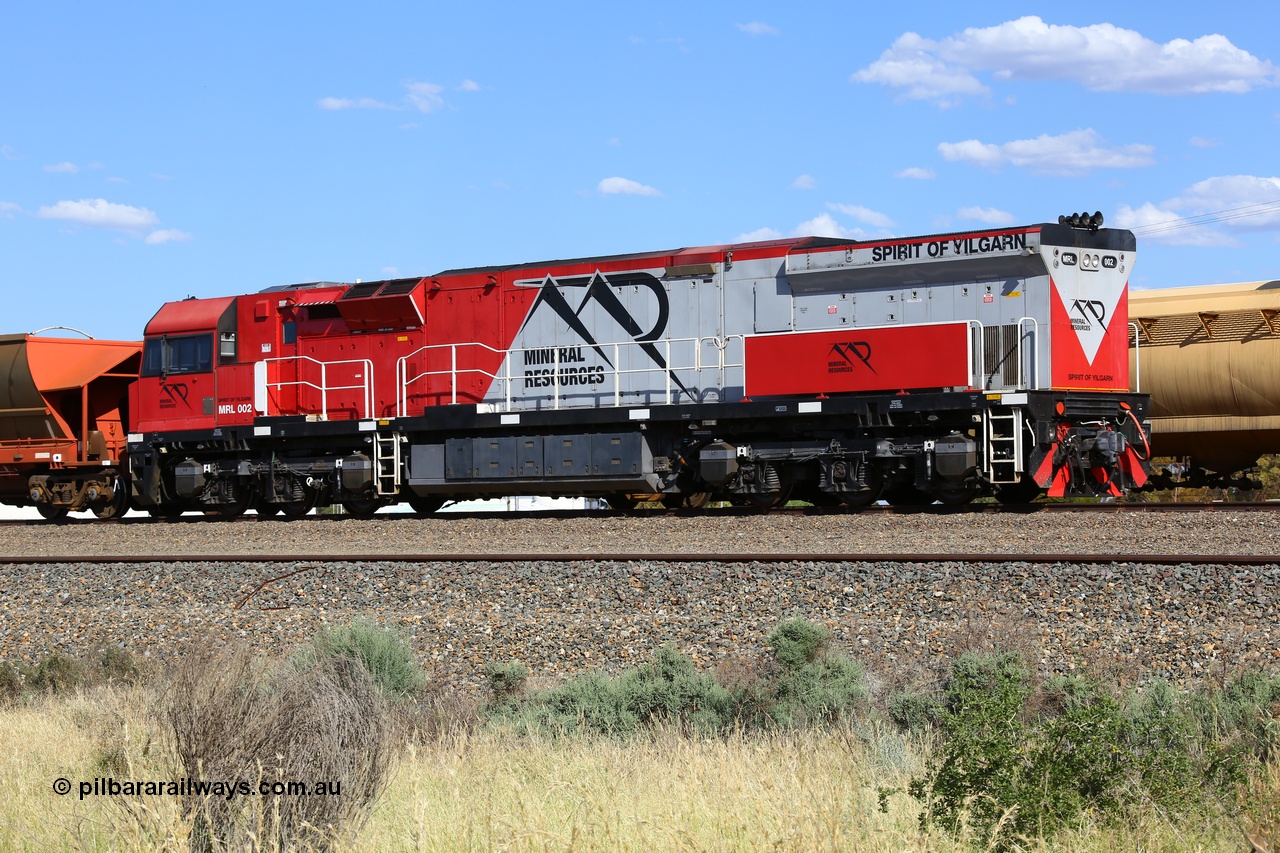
[383, 652]
[804, 684]
[1004, 775]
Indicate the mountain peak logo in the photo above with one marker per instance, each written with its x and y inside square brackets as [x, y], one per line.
[603, 292]
[1086, 312]
[846, 355]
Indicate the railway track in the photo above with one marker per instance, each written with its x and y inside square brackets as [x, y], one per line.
[1182, 616]
[712, 558]
[728, 512]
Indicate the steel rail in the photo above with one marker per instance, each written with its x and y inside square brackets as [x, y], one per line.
[728, 512]
[582, 557]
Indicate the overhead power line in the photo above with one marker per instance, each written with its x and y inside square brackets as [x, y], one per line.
[1259, 209]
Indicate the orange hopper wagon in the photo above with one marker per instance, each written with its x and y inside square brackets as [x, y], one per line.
[63, 423]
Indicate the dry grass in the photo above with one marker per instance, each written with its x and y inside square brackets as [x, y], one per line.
[465, 790]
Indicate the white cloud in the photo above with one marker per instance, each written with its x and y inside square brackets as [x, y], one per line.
[865, 215]
[986, 215]
[62, 169]
[1207, 212]
[916, 173]
[101, 213]
[1163, 225]
[424, 97]
[1240, 202]
[166, 235]
[759, 235]
[804, 182]
[8, 209]
[1204, 142]
[1073, 153]
[1100, 57]
[470, 86]
[825, 225]
[352, 104]
[759, 28]
[624, 186]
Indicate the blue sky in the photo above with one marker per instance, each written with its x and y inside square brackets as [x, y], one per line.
[152, 151]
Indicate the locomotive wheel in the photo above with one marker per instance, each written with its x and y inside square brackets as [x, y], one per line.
[267, 510]
[867, 496]
[908, 496]
[955, 495]
[689, 500]
[52, 513]
[363, 508]
[297, 509]
[425, 506]
[1022, 492]
[622, 502]
[231, 510]
[769, 500]
[164, 512]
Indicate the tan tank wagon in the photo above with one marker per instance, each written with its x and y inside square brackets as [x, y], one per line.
[1210, 359]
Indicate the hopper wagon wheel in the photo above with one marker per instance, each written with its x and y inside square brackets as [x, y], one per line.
[116, 507]
[363, 508]
[165, 512]
[266, 510]
[52, 513]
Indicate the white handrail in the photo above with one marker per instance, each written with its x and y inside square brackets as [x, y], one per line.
[1034, 384]
[404, 381]
[366, 385]
[1137, 356]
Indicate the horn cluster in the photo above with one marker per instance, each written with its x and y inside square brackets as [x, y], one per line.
[1082, 220]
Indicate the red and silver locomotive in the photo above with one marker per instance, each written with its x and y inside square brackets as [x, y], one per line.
[836, 371]
[833, 371]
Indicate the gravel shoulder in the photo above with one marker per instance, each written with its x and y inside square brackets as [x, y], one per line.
[978, 533]
[904, 619]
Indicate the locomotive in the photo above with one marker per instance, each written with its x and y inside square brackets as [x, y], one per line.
[835, 371]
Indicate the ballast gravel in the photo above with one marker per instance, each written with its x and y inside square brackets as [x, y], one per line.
[1124, 621]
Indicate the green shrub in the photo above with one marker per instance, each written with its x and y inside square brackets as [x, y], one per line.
[916, 712]
[666, 690]
[507, 680]
[823, 690]
[807, 685]
[1163, 742]
[1007, 776]
[383, 652]
[796, 642]
[56, 672]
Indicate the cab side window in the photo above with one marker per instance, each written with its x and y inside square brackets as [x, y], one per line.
[182, 354]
